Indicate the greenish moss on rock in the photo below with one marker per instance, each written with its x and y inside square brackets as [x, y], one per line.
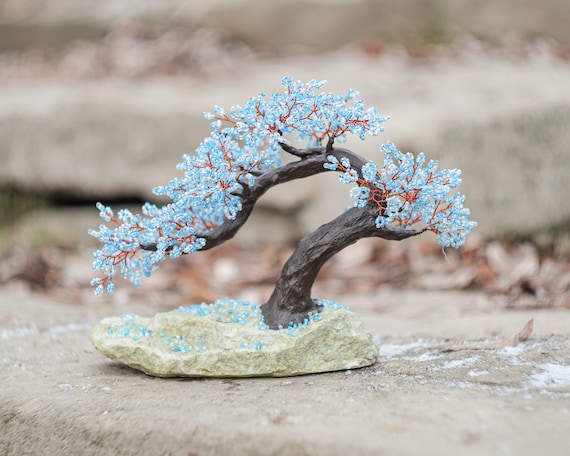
[201, 344]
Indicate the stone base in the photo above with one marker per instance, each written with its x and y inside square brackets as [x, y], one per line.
[229, 339]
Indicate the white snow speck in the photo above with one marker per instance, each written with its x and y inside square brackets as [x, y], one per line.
[550, 375]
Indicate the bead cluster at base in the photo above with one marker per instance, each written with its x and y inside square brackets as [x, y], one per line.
[224, 311]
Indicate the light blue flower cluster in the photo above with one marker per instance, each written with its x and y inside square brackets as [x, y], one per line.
[257, 346]
[293, 329]
[128, 328]
[224, 311]
[242, 144]
[179, 344]
[228, 310]
[301, 110]
[120, 248]
[407, 192]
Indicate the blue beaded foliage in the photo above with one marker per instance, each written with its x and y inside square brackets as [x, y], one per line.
[246, 142]
[407, 192]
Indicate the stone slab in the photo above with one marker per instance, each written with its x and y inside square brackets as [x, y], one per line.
[60, 396]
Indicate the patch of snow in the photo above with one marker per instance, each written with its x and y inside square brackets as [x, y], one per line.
[397, 350]
[65, 386]
[478, 373]
[427, 356]
[54, 331]
[20, 333]
[549, 375]
[464, 362]
[512, 351]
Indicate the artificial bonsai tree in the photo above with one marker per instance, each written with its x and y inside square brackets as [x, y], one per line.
[242, 158]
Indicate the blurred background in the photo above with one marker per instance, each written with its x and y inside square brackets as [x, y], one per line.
[99, 100]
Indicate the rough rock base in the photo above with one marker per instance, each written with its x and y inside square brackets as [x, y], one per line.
[229, 339]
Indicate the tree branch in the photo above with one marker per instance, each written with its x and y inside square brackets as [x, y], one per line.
[311, 162]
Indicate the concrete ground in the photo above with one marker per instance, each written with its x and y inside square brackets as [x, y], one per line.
[60, 396]
[109, 111]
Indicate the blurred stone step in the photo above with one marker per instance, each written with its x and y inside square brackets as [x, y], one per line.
[315, 24]
[502, 122]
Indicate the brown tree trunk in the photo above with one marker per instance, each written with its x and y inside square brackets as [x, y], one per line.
[291, 300]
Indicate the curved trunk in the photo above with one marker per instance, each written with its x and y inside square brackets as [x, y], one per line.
[291, 300]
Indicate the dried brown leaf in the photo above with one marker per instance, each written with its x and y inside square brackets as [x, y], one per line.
[521, 336]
